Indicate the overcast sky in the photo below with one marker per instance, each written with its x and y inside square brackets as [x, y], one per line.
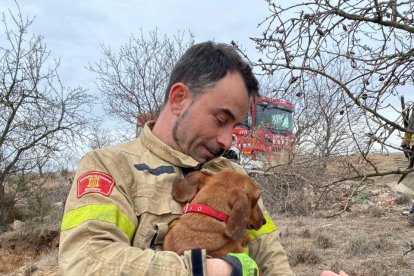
[75, 30]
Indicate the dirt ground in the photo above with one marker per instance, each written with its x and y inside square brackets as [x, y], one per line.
[357, 244]
[371, 238]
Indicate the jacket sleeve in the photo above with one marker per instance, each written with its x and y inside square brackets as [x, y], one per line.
[265, 248]
[99, 225]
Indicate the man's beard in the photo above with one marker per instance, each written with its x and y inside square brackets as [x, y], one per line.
[216, 152]
[175, 129]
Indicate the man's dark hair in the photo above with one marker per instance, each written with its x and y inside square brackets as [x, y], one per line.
[203, 64]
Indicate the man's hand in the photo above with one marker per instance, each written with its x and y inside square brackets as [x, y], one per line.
[218, 267]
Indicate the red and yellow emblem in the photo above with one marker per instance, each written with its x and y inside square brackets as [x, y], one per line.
[95, 182]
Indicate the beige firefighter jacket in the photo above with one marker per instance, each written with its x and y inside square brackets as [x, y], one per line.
[119, 207]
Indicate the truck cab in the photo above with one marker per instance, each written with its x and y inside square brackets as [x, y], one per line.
[267, 132]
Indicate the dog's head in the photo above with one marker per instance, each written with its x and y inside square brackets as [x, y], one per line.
[242, 195]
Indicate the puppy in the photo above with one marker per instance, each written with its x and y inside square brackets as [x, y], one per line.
[222, 207]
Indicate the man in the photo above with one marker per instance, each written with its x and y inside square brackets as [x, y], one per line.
[119, 207]
[407, 145]
[411, 216]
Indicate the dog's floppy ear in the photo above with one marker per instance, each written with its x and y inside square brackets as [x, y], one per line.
[185, 189]
[239, 215]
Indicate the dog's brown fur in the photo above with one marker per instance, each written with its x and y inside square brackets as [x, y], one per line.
[229, 192]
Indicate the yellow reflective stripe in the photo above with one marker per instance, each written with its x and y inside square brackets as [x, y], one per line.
[248, 265]
[106, 213]
[407, 136]
[269, 227]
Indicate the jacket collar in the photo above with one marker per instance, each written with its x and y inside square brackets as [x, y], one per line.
[163, 151]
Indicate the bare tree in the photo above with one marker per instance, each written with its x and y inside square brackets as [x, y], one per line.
[38, 116]
[327, 125]
[133, 80]
[322, 114]
[374, 39]
[345, 64]
[101, 137]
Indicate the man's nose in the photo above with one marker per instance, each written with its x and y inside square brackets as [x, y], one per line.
[225, 139]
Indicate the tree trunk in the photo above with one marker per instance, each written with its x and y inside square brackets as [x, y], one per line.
[3, 205]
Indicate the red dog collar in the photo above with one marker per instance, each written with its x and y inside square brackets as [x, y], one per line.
[203, 209]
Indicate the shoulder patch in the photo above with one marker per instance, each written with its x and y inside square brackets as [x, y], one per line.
[95, 182]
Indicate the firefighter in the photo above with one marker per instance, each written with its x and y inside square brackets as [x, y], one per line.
[411, 216]
[407, 144]
[119, 206]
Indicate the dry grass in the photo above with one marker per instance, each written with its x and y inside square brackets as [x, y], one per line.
[363, 244]
[360, 245]
[323, 240]
[32, 249]
[376, 268]
[305, 233]
[375, 211]
[404, 199]
[303, 255]
[29, 248]
[353, 226]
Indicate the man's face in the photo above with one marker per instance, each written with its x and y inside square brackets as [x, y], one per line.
[204, 128]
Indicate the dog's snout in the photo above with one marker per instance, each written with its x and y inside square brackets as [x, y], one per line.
[257, 225]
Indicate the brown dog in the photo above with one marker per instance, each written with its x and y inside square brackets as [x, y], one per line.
[226, 196]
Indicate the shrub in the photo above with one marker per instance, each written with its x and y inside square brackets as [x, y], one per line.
[360, 197]
[283, 194]
[306, 233]
[362, 245]
[374, 268]
[404, 199]
[303, 255]
[322, 240]
[375, 211]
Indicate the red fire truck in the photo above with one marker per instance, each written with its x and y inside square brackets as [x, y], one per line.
[267, 132]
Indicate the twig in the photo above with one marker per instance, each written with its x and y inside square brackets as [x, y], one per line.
[411, 248]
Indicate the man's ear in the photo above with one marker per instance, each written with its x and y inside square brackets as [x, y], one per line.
[178, 98]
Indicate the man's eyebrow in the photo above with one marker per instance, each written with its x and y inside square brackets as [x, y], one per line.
[227, 112]
[230, 114]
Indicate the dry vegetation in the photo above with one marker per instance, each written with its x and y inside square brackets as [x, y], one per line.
[356, 226]
[31, 245]
[370, 236]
